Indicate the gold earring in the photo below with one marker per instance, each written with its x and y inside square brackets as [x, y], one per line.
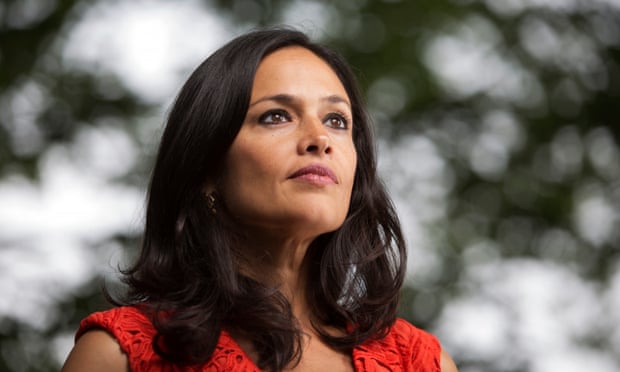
[211, 203]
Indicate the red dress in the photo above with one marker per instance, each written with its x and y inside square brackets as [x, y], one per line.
[405, 348]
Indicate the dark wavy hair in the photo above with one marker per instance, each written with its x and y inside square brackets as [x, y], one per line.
[187, 275]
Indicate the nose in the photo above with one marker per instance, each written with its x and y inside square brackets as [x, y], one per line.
[314, 139]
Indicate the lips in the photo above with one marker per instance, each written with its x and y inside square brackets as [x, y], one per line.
[316, 174]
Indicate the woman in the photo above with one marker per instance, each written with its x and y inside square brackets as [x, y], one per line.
[270, 243]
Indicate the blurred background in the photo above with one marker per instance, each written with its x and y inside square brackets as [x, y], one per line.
[499, 132]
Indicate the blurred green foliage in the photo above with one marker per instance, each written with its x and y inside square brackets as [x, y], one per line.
[521, 102]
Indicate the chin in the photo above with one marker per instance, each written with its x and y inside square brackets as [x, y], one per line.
[325, 225]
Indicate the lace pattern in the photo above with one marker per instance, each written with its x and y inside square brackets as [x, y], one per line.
[405, 348]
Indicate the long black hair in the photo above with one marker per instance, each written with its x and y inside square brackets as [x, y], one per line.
[187, 275]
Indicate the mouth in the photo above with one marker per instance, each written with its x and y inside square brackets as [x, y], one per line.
[315, 174]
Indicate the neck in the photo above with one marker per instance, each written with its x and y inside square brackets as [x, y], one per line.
[279, 263]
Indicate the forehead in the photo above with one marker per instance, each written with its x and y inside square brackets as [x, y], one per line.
[295, 63]
[292, 53]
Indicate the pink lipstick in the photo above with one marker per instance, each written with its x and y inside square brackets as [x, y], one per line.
[315, 174]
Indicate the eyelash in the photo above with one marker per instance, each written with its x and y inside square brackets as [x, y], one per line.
[263, 119]
[338, 116]
[268, 118]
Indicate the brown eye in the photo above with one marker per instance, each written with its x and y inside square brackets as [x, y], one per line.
[336, 121]
[274, 117]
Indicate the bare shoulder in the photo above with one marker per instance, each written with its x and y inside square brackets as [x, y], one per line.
[446, 362]
[96, 351]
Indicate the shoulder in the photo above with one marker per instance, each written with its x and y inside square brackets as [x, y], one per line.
[121, 335]
[124, 336]
[415, 343]
[420, 346]
[446, 363]
[121, 322]
[409, 347]
[95, 351]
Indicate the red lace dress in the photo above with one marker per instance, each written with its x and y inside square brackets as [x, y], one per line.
[405, 348]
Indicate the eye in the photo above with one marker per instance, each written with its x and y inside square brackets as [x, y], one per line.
[274, 117]
[337, 121]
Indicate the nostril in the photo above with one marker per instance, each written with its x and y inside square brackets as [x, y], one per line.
[316, 145]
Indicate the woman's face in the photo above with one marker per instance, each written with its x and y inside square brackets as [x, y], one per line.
[290, 169]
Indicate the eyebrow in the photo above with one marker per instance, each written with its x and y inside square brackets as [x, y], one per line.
[288, 99]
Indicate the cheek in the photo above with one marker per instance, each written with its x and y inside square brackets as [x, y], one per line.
[246, 171]
[233, 177]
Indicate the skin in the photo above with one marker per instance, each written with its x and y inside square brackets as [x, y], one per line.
[96, 351]
[299, 116]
